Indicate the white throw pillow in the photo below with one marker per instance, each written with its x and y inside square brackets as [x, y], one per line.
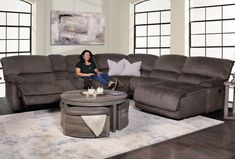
[116, 68]
[132, 69]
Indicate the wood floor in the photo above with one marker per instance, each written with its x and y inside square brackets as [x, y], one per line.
[217, 142]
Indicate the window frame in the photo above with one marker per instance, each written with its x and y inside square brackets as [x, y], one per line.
[160, 47]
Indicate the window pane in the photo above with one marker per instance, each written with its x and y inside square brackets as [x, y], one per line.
[15, 5]
[229, 39]
[197, 14]
[229, 26]
[2, 33]
[24, 45]
[25, 53]
[213, 40]
[2, 90]
[197, 52]
[165, 29]
[24, 33]
[12, 45]
[229, 53]
[12, 19]
[213, 13]
[153, 5]
[141, 18]
[165, 51]
[153, 52]
[165, 17]
[214, 52]
[12, 33]
[228, 11]
[213, 27]
[198, 40]
[2, 45]
[2, 18]
[153, 41]
[197, 28]
[141, 42]
[153, 17]
[1, 75]
[140, 51]
[153, 29]
[141, 30]
[165, 41]
[25, 19]
[12, 54]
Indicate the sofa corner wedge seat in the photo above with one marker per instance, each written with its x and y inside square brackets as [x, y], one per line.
[174, 86]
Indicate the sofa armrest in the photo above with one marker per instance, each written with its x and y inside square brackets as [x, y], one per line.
[15, 79]
[212, 82]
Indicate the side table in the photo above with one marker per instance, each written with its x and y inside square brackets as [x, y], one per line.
[226, 100]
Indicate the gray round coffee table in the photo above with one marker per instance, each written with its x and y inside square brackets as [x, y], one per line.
[76, 98]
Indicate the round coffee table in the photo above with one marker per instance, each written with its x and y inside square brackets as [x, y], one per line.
[108, 99]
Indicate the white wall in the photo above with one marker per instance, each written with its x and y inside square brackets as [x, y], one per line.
[116, 17]
[179, 27]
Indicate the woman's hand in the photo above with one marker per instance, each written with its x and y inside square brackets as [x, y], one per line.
[90, 74]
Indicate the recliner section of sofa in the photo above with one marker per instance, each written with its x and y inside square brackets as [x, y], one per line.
[170, 85]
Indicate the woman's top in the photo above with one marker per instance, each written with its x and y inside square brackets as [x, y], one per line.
[86, 68]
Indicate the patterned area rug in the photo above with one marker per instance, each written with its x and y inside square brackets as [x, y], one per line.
[38, 135]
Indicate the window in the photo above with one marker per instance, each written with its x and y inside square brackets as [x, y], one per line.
[152, 27]
[212, 29]
[15, 31]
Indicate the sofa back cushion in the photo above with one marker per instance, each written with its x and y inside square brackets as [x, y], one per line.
[26, 64]
[168, 67]
[101, 60]
[148, 62]
[192, 78]
[58, 62]
[59, 66]
[209, 67]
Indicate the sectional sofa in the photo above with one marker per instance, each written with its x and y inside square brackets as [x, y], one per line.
[174, 86]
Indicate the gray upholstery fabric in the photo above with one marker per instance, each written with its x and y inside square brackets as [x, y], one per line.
[140, 81]
[173, 63]
[38, 77]
[102, 63]
[148, 62]
[166, 96]
[58, 62]
[192, 78]
[71, 61]
[39, 89]
[40, 99]
[168, 67]
[62, 75]
[26, 64]
[77, 83]
[206, 66]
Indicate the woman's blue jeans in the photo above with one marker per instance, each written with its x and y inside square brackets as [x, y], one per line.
[103, 78]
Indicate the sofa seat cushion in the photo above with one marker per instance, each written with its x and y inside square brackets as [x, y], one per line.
[39, 89]
[166, 96]
[139, 81]
[38, 77]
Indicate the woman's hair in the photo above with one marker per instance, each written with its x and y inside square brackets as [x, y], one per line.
[83, 53]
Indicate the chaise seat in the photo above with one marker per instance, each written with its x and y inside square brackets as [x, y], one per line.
[171, 97]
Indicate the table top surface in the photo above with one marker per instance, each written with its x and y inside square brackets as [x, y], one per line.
[76, 97]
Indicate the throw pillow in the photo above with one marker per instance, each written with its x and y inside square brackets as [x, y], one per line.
[116, 68]
[132, 69]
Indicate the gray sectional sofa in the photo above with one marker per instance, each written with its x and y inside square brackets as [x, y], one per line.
[174, 86]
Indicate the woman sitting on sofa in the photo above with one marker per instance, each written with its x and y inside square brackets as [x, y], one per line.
[87, 69]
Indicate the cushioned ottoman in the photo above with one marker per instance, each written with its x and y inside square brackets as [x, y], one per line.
[122, 115]
[73, 125]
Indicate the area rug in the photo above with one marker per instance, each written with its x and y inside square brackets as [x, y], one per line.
[38, 135]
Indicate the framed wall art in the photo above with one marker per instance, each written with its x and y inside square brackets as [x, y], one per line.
[76, 28]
